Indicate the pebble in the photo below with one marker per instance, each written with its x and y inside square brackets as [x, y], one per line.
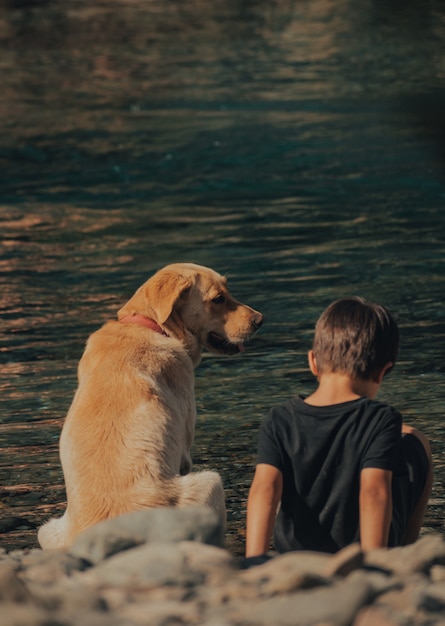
[169, 567]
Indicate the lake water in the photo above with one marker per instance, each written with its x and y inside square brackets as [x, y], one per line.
[298, 147]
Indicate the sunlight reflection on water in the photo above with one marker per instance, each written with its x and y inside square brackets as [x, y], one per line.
[296, 148]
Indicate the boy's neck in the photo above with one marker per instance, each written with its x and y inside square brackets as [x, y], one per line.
[335, 388]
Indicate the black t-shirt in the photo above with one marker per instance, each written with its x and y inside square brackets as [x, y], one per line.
[320, 452]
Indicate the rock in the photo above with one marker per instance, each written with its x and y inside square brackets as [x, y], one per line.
[68, 599]
[433, 599]
[158, 564]
[375, 616]
[313, 563]
[405, 601]
[148, 566]
[287, 572]
[48, 567]
[12, 589]
[437, 573]
[160, 613]
[345, 561]
[337, 604]
[214, 564]
[417, 557]
[24, 615]
[133, 579]
[295, 570]
[380, 582]
[152, 525]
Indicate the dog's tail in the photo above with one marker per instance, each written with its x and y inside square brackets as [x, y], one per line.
[202, 488]
[197, 488]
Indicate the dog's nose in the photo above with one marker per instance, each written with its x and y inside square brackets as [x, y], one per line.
[258, 320]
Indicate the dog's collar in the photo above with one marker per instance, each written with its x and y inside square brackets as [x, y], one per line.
[141, 320]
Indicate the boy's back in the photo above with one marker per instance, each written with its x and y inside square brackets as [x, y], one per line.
[321, 452]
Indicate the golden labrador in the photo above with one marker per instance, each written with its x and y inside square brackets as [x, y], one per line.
[125, 444]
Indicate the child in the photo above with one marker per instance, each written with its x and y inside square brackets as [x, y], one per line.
[340, 464]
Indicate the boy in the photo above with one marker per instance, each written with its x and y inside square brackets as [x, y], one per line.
[337, 462]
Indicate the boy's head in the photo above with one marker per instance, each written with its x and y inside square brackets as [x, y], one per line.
[355, 337]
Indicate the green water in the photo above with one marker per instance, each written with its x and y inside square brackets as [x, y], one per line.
[298, 147]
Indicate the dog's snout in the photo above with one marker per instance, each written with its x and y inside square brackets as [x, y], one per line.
[258, 321]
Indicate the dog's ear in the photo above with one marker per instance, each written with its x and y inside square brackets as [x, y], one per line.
[157, 297]
[164, 293]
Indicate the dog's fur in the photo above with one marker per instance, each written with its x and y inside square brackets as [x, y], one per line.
[126, 441]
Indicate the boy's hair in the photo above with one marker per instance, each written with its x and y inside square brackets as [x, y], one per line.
[355, 337]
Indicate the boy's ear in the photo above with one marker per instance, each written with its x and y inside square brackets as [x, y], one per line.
[312, 362]
[383, 371]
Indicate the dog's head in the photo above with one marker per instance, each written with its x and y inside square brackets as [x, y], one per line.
[192, 303]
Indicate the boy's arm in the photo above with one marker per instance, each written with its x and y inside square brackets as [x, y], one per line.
[375, 507]
[264, 497]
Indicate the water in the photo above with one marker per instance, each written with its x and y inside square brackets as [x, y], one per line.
[298, 147]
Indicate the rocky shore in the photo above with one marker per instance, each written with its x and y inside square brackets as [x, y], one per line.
[169, 567]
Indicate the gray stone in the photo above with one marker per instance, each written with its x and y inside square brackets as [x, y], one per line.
[337, 604]
[376, 616]
[345, 561]
[417, 557]
[437, 573]
[433, 598]
[231, 592]
[190, 583]
[404, 602]
[378, 581]
[214, 564]
[49, 566]
[152, 525]
[285, 573]
[148, 565]
[12, 589]
[67, 598]
[288, 582]
[313, 563]
[86, 618]
[160, 613]
[305, 563]
[25, 615]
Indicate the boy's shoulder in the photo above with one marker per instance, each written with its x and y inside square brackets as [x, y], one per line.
[297, 406]
[289, 406]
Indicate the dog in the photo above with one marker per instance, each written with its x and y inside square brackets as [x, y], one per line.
[125, 444]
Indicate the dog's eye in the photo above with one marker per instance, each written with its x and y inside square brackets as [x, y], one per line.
[220, 299]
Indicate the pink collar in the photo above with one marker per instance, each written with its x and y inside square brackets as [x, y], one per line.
[141, 320]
